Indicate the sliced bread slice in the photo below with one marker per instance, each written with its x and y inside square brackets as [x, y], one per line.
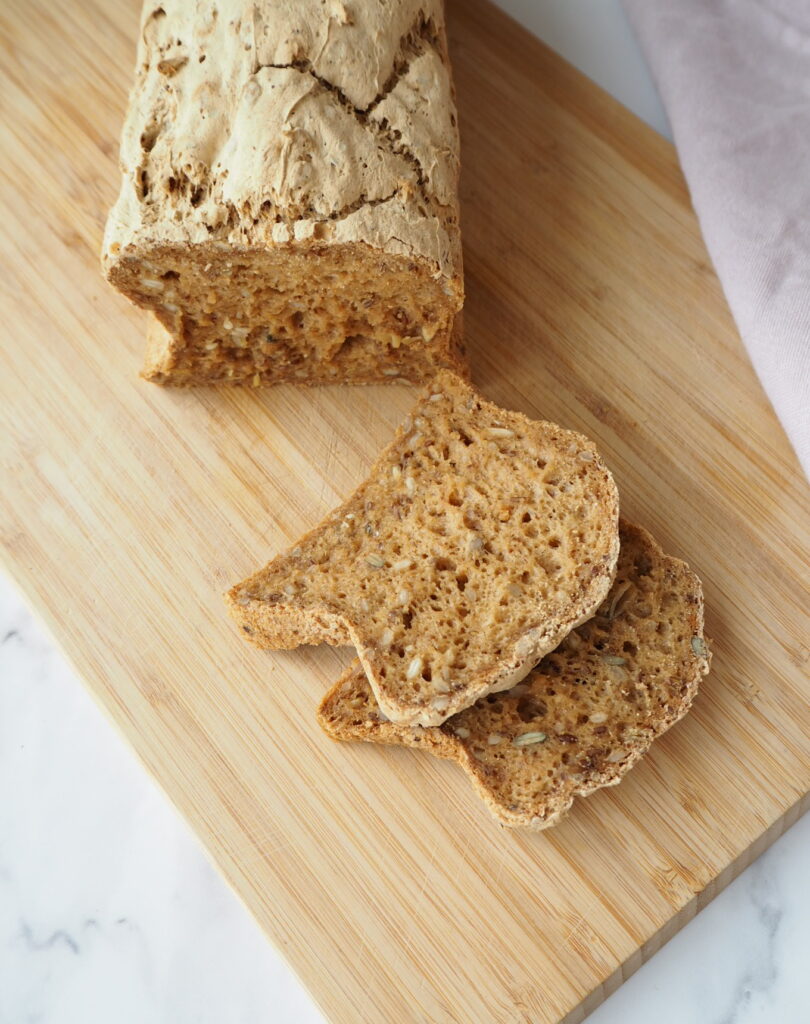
[585, 715]
[480, 539]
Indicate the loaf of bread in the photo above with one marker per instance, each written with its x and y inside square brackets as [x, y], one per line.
[585, 715]
[479, 540]
[288, 208]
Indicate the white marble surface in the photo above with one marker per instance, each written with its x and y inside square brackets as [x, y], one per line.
[595, 36]
[109, 911]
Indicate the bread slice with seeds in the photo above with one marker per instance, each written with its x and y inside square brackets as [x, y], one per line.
[479, 540]
[585, 715]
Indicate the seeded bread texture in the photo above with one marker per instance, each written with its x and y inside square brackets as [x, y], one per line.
[289, 191]
[169, 361]
[479, 540]
[585, 715]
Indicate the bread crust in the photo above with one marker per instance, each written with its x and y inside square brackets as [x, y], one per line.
[289, 190]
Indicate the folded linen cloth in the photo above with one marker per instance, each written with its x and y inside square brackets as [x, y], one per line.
[734, 76]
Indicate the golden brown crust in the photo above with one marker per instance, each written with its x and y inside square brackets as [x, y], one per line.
[479, 540]
[584, 716]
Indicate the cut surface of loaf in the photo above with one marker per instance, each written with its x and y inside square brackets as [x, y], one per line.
[169, 362]
[288, 207]
[479, 540]
[588, 711]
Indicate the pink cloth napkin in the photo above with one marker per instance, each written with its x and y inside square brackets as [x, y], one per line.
[734, 76]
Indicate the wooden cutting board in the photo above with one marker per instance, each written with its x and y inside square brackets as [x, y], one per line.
[127, 509]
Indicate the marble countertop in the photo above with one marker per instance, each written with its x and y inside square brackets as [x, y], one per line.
[109, 910]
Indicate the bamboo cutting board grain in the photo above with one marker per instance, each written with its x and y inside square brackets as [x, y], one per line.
[127, 509]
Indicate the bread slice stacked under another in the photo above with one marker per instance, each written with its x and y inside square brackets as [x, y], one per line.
[482, 542]
[584, 716]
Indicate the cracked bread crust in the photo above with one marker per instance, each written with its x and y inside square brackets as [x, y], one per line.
[289, 189]
[479, 540]
[586, 714]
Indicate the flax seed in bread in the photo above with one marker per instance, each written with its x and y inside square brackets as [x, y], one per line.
[479, 540]
[585, 715]
[288, 206]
